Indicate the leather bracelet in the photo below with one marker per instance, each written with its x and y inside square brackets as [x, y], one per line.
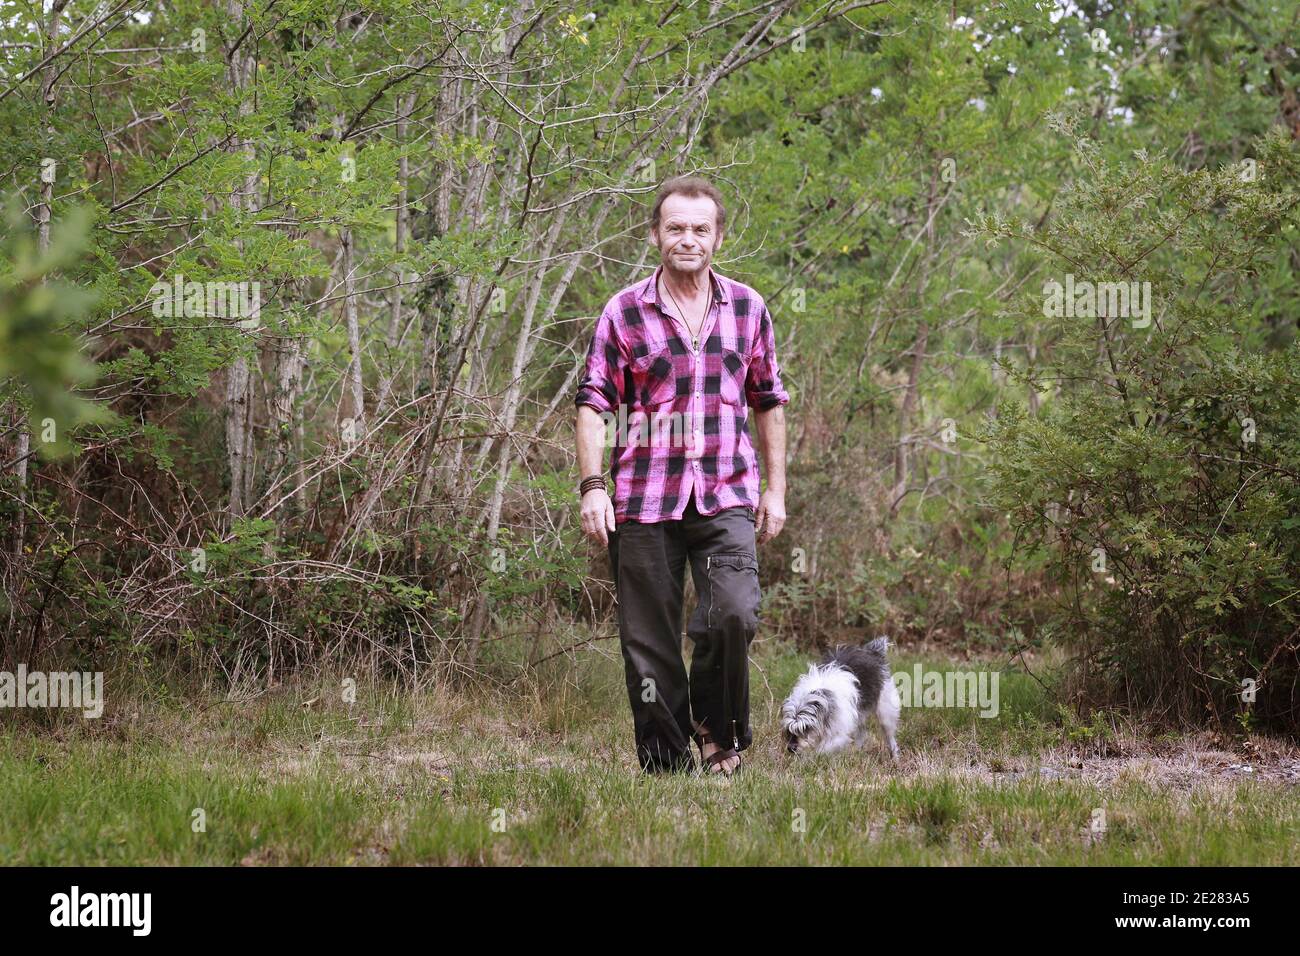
[591, 481]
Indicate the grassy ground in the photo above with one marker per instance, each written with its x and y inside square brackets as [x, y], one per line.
[543, 773]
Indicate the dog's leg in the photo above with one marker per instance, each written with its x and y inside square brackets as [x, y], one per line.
[862, 733]
[836, 743]
[888, 707]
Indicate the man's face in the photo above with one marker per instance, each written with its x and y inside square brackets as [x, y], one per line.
[688, 234]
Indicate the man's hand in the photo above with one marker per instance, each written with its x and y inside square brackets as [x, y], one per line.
[770, 517]
[598, 515]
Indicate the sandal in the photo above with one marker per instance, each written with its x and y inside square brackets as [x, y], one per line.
[714, 761]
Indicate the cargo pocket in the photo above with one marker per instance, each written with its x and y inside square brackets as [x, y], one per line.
[733, 589]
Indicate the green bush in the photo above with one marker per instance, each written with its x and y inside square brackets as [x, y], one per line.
[1161, 476]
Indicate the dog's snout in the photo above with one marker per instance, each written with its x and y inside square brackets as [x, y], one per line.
[792, 746]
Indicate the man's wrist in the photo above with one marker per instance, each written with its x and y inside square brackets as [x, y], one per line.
[591, 482]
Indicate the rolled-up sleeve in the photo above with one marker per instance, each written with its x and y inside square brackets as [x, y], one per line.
[602, 377]
[763, 388]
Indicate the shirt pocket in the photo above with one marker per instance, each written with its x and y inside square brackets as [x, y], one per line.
[735, 368]
[654, 378]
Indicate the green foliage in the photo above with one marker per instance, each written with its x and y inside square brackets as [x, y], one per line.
[40, 316]
[1163, 477]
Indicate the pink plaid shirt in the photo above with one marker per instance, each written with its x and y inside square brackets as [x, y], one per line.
[675, 409]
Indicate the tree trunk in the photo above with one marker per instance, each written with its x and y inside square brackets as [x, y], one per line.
[404, 107]
[239, 381]
[354, 404]
[905, 412]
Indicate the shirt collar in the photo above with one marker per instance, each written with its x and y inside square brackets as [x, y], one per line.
[651, 291]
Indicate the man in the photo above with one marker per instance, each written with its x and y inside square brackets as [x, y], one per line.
[686, 345]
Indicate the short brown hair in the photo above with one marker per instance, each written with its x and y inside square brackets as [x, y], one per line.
[689, 186]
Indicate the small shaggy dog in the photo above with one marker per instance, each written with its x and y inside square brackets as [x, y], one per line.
[829, 706]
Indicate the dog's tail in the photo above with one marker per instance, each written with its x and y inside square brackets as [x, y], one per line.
[880, 645]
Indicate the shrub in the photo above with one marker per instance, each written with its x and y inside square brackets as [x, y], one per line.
[1161, 477]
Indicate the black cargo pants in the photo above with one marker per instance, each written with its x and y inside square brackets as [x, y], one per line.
[648, 562]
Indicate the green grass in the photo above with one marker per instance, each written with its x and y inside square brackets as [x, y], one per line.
[543, 773]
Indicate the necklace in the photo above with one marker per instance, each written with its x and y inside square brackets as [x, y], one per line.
[695, 333]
